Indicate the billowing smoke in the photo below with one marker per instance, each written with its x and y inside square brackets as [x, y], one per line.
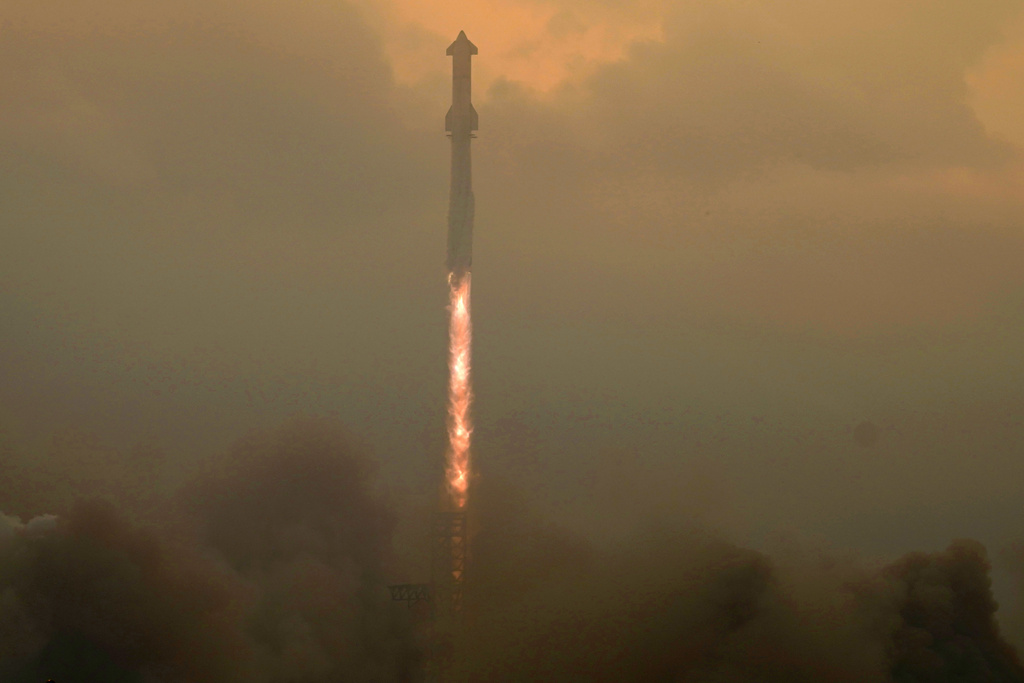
[301, 528]
[686, 607]
[276, 566]
[946, 630]
[280, 579]
[89, 598]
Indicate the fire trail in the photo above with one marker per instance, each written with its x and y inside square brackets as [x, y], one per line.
[460, 123]
[460, 394]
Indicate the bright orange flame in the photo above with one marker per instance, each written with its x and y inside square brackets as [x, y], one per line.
[460, 392]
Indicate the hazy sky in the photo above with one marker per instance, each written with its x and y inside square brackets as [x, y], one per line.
[711, 239]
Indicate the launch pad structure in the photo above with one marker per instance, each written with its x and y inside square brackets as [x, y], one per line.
[448, 561]
[443, 596]
[448, 564]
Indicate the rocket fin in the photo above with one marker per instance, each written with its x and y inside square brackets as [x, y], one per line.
[474, 120]
[448, 120]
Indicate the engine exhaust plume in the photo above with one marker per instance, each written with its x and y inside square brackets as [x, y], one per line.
[460, 393]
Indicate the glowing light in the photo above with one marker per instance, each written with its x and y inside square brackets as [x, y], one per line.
[541, 44]
[460, 393]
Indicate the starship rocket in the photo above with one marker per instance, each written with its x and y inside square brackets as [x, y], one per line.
[460, 123]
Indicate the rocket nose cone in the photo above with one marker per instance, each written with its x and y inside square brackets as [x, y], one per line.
[462, 46]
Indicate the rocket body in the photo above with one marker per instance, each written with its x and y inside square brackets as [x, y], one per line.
[460, 123]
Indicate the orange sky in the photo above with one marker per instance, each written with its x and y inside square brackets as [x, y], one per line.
[538, 43]
[543, 44]
[997, 86]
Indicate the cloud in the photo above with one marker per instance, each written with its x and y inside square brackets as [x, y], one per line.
[688, 607]
[285, 580]
[735, 88]
[280, 575]
[301, 525]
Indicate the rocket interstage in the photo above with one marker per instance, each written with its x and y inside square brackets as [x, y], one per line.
[460, 123]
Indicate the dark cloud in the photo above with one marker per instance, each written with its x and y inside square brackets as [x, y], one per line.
[284, 581]
[1011, 562]
[283, 578]
[97, 599]
[302, 527]
[686, 607]
[947, 630]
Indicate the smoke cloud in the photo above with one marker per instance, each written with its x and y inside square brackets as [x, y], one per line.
[279, 578]
[274, 569]
[689, 607]
[94, 599]
[303, 530]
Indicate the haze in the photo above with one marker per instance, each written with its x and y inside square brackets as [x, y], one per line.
[712, 240]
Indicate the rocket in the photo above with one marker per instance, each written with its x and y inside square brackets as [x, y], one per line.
[460, 123]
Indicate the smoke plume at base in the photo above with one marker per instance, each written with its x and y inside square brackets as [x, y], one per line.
[670, 606]
[281, 574]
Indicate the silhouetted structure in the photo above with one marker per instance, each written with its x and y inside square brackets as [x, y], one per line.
[410, 592]
[460, 123]
[448, 565]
